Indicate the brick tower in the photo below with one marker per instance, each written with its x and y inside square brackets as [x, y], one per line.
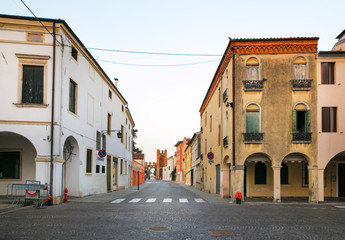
[161, 162]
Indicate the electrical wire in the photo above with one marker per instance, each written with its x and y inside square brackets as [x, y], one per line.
[39, 20]
[169, 65]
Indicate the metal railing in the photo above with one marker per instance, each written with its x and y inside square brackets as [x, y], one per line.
[253, 137]
[301, 137]
[301, 84]
[253, 84]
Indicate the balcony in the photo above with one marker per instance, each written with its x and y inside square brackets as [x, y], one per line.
[253, 137]
[226, 142]
[301, 137]
[301, 84]
[253, 85]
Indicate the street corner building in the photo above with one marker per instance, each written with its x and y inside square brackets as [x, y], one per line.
[270, 118]
[59, 109]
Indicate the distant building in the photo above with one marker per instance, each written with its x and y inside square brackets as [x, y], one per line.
[161, 162]
[180, 166]
[170, 167]
[196, 160]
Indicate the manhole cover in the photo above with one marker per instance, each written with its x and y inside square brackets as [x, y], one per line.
[222, 233]
[159, 229]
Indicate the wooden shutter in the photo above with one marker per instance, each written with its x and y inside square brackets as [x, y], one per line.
[32, 88]
[252, 122]
[308, 121]
[326, 119]
[294, 121]
[330, 73]
[72, 95]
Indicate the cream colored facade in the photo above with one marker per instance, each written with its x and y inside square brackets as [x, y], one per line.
[331, 145]
[188, 166]
[259, 118]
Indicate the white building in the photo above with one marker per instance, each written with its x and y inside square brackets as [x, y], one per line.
[87, 105]
[196, 157]
[170, 167]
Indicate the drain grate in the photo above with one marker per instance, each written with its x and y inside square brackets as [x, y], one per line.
[222, 233]
[159, 229]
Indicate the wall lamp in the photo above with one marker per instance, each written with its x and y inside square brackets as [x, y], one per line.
[229, 104]
[119, 134]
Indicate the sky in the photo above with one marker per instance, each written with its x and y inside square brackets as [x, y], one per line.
[165, 99]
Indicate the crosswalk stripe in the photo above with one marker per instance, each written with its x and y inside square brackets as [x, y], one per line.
[167, 200]
[118, 200]
[199, 200]
[151, 200]
[135, 200]
[183, 200]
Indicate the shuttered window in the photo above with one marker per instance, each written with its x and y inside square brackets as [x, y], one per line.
[329, 119]
[88, 161]
[252, 69]
[300, 121]
[260, 173]
[300, 68]
[72, 96]
[32, 88]
[327, 73]
[98, 140]
[252, 122]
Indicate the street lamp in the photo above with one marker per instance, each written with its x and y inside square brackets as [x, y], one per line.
[119, 134]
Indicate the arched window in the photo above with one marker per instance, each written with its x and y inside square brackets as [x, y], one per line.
[301, 118]
[252, 69]
[284, 174]
[260, 173]
[253, 118]
[299, 68]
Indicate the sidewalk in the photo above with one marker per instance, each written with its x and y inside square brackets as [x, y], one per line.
[109, 196]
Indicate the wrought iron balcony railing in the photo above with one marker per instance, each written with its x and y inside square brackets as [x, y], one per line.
[301, 137]
[301, 84]
[253, 137]
[253, 85]
[226, 142]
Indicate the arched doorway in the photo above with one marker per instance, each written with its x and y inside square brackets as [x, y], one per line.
[334, 177]
[294, 176]
[71, 166]
[258, 176]
[17, 160]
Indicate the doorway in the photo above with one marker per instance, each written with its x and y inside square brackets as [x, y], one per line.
[191, 177]
[218, 179]
[341, 180]
[108, 173]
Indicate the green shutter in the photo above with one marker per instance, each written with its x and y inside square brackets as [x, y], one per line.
[32, 88]
[252, 122]
[294, 121]
[308, 121]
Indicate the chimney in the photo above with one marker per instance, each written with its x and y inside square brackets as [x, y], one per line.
[116, 82]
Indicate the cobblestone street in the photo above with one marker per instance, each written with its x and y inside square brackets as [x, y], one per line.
[101, 217]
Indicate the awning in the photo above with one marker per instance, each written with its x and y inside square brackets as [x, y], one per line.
[188, 171]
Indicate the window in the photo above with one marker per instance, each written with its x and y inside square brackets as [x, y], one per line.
[110, 94]
[299, 68]
[219, 137]
[122, 108]
[329, 119]
[104, 142]
[35, 37]
[205, 146]
[88, 161]
[305, 174]
[9, 165]
[98, 140]
[121, 133]
[126, 142]
[109, 124]
[32, 88]
[74, 53]
[72, 96]
[97, 168]
[103, 169]
[327, 73]
[121, 167]
[205, 119]
[252, 69]
[219, 97]
[284, 174]
[125, 167]
[253, 119]
[260, 173]
[301, 119]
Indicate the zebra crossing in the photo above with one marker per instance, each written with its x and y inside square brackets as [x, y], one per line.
[155, 200]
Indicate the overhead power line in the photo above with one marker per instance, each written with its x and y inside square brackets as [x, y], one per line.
[150, 65]
[158, 53]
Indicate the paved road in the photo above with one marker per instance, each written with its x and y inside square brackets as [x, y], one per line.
[164, 210]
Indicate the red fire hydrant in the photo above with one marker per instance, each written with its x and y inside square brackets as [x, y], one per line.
[65, 195]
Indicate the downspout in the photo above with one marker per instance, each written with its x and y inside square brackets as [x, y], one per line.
[52, 122]
[233, 118]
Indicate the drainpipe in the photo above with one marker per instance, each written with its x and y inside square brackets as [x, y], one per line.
[233, 116]
[52, 122]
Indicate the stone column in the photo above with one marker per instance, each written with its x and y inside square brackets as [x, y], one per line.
[321, 194]
[313, 183]
[237, 181]
[276, 183]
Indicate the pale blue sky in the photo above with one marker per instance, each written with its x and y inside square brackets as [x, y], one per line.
[165, 101]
